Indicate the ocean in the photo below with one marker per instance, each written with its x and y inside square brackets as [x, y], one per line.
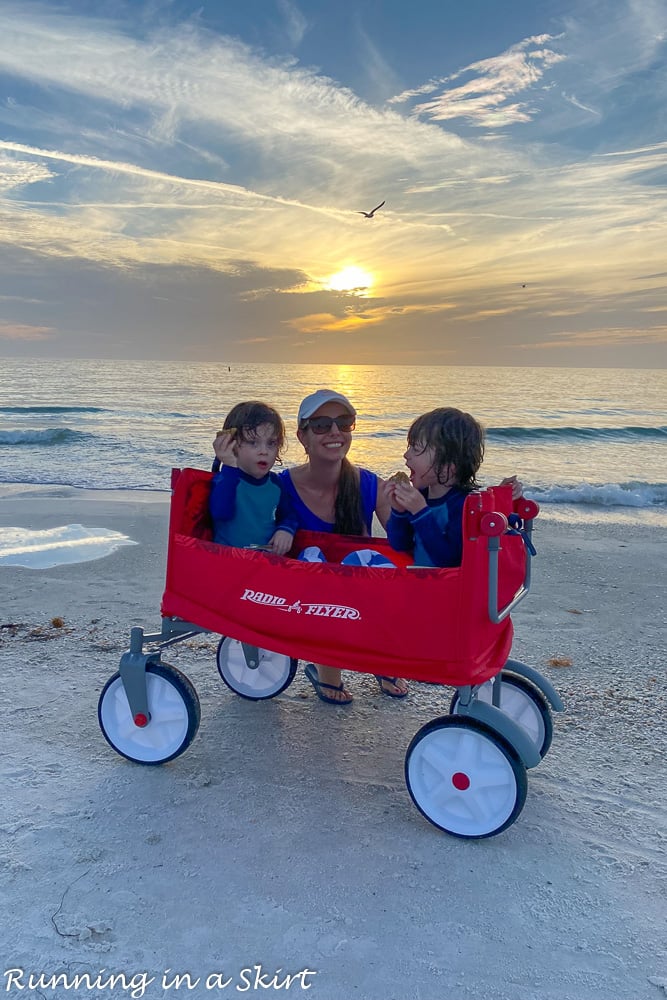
[587, 443]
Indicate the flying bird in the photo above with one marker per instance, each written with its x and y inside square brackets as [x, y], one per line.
[369, 215]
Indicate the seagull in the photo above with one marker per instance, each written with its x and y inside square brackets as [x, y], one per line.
[369, 215]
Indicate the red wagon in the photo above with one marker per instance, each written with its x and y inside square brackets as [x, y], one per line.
[465, 771]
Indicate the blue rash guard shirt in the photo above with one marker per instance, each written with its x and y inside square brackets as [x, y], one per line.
[248, 511]
[435, 533]
[368, 483]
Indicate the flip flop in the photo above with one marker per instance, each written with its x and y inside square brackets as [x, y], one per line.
[390, 680]
[310, 671]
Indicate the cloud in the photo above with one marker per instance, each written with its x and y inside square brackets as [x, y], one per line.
[15, 173]
[571, 99]
[296, 24]
[380, 76]
[114, 167]
[21, 331]
[484, 100]
[353, 320]
[184, 76]
[604, 337]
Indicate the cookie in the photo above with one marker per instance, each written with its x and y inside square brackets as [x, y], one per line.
[399, 477]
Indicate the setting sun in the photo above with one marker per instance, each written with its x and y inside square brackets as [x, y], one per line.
[350, 279]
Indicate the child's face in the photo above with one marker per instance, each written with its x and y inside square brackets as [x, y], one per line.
[420, 460]
[257, 455]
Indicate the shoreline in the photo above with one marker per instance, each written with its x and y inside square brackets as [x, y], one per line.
[285, 831]
[36, 490]
[561, 513]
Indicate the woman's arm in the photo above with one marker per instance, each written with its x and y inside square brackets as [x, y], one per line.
[383, 503]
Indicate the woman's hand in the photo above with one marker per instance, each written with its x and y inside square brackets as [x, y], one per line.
[281, 542]
[224, 446]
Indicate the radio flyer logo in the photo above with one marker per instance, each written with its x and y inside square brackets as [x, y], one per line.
[321, 610]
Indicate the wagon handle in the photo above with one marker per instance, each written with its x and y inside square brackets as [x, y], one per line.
[493, 526]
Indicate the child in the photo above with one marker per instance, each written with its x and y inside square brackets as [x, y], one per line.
[445, 451]
[248, 505]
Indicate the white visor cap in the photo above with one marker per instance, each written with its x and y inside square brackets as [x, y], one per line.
[312, 403]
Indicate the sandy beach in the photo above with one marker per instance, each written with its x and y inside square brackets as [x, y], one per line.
[282, 851]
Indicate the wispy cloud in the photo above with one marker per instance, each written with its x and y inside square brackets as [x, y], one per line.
[184, 76]
[605, 337]
[354, 320]
[486, 98]
[571, 99]
[16, 174]
[296, 24]
[21, 331]
[381, 77]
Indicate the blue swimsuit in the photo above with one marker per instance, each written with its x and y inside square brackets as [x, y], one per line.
[368, 483]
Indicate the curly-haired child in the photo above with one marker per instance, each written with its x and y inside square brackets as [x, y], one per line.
[445, 451]
[248, 504]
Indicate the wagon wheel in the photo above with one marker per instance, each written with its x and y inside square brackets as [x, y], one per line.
[271, 674]
[465, 778]
[522, 703]
[173, 716]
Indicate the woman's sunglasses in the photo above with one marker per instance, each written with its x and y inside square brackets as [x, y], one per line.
[322, 425]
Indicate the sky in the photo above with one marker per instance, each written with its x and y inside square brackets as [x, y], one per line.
[186, 181]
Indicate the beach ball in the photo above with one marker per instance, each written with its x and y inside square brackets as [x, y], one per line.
[368, 557]
[312, 554]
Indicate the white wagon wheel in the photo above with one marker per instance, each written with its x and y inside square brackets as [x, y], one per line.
[264, 677]
[173, 716]
[522, 703]
[465, 778]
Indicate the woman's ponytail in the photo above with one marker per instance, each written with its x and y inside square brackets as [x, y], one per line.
[348, 511]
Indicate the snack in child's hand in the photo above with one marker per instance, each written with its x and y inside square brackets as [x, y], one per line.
[399, 478]
[230, 431]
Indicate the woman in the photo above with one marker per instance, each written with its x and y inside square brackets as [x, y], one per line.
[329, 493]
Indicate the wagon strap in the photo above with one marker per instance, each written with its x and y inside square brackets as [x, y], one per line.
[516, 528]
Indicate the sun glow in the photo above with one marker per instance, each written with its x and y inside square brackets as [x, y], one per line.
[350, 279]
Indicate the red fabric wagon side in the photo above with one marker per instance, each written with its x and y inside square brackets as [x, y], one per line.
[426, 624]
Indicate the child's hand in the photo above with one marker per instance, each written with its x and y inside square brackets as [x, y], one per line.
[224, 446]
[516, 484]
[281, 542]
[406, 497]
[387, 491]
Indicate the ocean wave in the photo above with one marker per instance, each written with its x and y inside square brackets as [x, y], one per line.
[401, 433]
[632, 494]
[586, 433]
[47, 436]
[52, 409]
[530, 435]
